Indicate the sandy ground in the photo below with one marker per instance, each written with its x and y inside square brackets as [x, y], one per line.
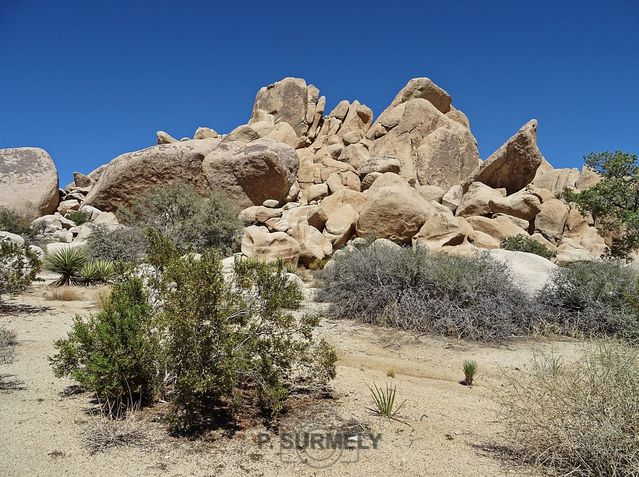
[444, 423]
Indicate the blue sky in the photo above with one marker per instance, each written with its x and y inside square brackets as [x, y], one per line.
[88, 81]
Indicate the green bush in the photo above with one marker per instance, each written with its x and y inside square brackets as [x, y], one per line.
[68, 262]
[229, 346]
[218, 344]
[18, 268]
[592, 299]
[578, 419]
[79, 217]
[190, 221]
[123, 244]
[522, 243]
[614, 201]
[464, 297]
[115, 352]
[11, 221]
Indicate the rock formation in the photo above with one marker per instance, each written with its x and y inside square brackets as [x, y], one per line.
[310, 182]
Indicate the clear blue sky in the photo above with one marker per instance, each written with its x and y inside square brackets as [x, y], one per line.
[90, 80]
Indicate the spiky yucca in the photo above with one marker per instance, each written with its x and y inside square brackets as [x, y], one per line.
[470, 368]
[67, 262]
[96, 272]
[384, 400]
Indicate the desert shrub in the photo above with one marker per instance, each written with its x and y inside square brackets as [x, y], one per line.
[114, 352]
[578, 418]
[231, 345]
[68, 262]
[13, 222]
[522, 243]
[123, 244]
[190, 221]
[464, 297]
[592, 299]
[18, 268]
[79, 217]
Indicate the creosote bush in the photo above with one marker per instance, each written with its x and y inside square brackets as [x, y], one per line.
[236, 345]
[79, 217]
[464, 297]
[122, 244]
[192, 222]
[18, 268]
[578, 419]
[207, 345]
[115, 352]
[522, 243]
[13, 222]
[592, 299]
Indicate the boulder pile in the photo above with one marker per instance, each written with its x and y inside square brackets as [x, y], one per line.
[310, 181]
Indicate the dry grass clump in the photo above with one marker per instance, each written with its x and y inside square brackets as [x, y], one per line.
[104, 432]
[8, 341]
[578, 419]
[65, 293]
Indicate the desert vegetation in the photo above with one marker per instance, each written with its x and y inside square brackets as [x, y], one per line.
[18, 268]
[202, 343]
[576, 418]
[475, 297]
[614, 200]
[522, 243]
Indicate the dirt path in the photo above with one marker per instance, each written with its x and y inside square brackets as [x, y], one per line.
[42, 429]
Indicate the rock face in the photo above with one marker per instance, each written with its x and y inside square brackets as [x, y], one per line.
[431, 148]
[28, 182]
[291, 101]
[251, 173]
[394, 211]
[259, 243]
[513, 166]
[133, 173]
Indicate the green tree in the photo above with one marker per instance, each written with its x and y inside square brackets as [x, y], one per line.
[614, 201]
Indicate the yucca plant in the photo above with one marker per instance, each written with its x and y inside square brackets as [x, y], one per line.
[470, 368]
[96, 272]
[67, 262]
[384, 401]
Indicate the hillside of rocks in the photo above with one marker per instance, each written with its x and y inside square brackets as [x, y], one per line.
[309, 181]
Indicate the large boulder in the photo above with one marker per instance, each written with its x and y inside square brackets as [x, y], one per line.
[499, 228]
[251, 173]
[267, 246]
[522, 204]
[513, 166]
[529, 271]
[556, 180]
[292, 101]
[424, 88]
[442, 229]
[132, 174]
[432, 148]
[477, 200]
[394, 211]
[313, 245]
[551, 219]
[28, 182]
